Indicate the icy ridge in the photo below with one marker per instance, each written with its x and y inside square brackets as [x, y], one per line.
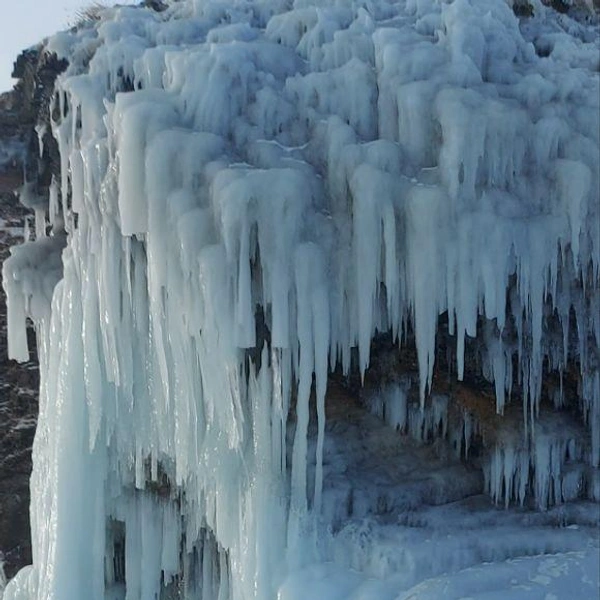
[334, 168]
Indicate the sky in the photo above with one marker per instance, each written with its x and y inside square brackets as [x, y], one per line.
[24, 23]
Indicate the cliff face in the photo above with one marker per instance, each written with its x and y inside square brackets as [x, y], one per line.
[21, 111]
[328, 299]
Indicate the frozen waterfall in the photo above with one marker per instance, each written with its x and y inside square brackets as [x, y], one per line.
[251, 192]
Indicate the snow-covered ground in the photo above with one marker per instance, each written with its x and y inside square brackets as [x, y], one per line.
[251, 192]
[550, 577]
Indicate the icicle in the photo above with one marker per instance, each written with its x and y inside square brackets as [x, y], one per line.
[40, 129]
[26, 229]
[40, 223]
[305, 374]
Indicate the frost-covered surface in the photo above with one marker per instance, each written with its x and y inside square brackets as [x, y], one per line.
[250, 191]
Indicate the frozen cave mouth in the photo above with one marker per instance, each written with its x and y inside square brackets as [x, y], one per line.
[316, 290]
[405, 500]
[412, 495]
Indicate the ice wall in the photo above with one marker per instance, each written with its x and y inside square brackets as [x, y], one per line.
[249, 191]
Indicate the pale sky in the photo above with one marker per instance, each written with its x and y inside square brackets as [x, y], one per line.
[23, 23]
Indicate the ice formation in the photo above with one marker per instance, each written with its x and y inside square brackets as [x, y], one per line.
[249, 191]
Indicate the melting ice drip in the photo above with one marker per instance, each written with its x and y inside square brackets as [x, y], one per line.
[249, 191]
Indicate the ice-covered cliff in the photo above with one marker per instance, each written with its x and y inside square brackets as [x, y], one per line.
[254, 197]
[19, 383]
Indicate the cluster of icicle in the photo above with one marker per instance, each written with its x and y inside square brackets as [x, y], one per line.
[326, 169]
[550, 467]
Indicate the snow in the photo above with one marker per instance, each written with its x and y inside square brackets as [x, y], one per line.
[251, 190]
[552, 577]
[542, 578]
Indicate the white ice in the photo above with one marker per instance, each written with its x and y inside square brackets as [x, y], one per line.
[251, 190]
